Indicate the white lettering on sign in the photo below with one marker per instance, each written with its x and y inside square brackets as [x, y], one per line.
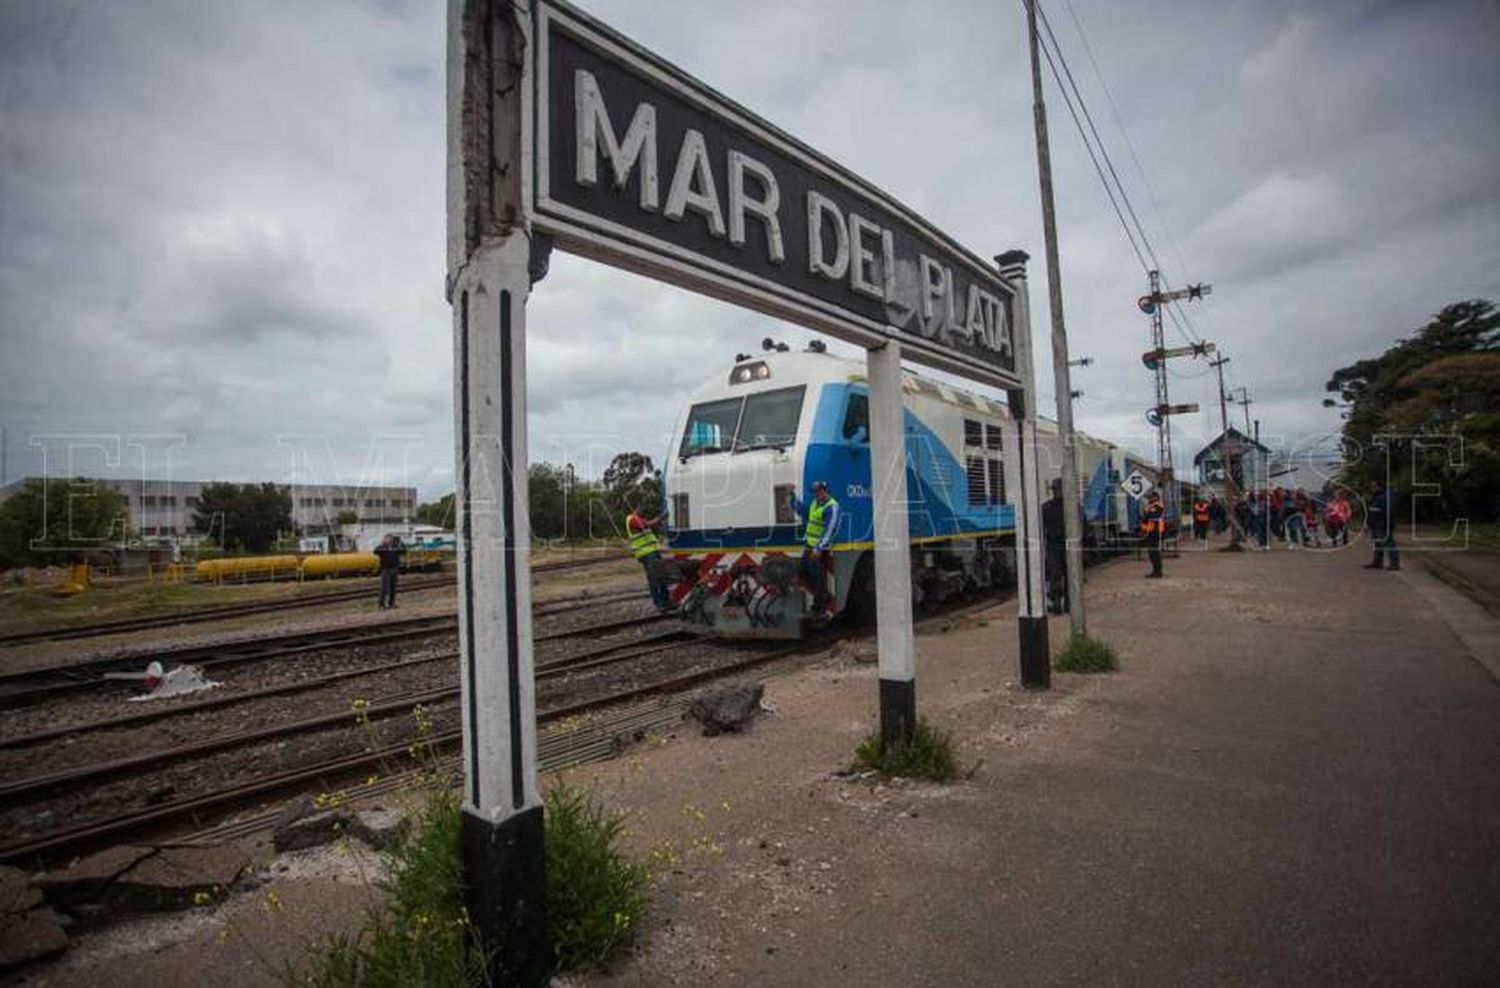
[818, 207]
[920, 294]
[740, 203]
[639, 143]
[693, 185]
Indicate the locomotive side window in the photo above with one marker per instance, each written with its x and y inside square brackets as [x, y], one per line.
[770, 419]
[857, 417]
[710, 427]
[986, 481]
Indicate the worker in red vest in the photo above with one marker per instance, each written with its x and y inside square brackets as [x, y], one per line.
[1200, 519]
[1153, 530]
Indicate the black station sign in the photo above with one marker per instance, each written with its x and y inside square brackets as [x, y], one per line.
[637, 164]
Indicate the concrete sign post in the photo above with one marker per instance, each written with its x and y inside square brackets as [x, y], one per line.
[490, 270]
[898, 666]
[1023, 477]
[561, 131]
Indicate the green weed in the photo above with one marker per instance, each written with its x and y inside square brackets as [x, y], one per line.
[928, 754]
[597, 896]
[1085, 653]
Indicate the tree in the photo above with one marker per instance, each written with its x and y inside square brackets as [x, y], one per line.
[346, 517]
[632, 480]
[439, 512]
[52, 521]
[244, 516]
[1423, 399]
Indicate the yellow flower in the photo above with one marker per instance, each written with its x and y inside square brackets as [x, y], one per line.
[372, 780]
[202, 899]
[273, 900]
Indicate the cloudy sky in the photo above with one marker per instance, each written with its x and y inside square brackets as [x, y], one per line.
[222, 224]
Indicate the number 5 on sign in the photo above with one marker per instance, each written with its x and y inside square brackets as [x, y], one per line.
[1136, 485]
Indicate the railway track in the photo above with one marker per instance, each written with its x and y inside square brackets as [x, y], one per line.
[201, 615]
[331, 770]
[36, 685]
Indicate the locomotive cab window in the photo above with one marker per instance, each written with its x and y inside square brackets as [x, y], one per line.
[857, 417]
[710, 427]
[770, 419]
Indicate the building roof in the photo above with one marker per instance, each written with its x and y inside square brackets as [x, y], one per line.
[1243, 440]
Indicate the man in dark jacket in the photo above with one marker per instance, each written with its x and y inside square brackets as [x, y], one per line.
[1380, 518]
[389, 553]
[1055, 541]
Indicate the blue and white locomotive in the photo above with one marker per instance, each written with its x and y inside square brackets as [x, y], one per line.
[756, 437]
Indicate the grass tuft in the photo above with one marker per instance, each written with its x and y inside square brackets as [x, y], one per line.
[421, 934]
[1085, 653]
[597, 896]
[928, 754]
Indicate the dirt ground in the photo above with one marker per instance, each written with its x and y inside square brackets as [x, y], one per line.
[1293, 779]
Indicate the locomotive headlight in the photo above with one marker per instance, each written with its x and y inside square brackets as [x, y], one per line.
[742, 375]
[762, 372]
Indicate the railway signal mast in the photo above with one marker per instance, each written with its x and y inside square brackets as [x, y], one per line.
[1155, 360]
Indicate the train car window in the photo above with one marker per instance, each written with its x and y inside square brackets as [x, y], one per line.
[857, 416]
[991, 436]
[710, 427]
[997, 482]
[770, 418]
[784, 496]
[977, 491]
[973, 433]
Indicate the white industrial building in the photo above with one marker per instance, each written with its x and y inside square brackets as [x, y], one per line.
[164, 509]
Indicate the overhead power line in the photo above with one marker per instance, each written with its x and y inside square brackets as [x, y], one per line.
[1104, 168]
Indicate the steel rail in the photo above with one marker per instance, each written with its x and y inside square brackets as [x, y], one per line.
[375, 711]
[219, 613]
[93, 833]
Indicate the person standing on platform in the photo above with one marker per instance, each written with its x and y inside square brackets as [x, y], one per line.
[820, 514]
[645, 547]
[1336, 517]
[1218, 514]
[389, 553]
[1200, 518]
[1380, 518]
[1054, 541]
[1154, 529]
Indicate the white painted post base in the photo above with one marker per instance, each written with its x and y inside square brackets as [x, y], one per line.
[898, 705]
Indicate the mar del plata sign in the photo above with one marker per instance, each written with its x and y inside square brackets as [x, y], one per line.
[637, 164]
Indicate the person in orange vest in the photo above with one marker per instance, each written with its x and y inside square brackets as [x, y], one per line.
[1154, 529]
[1200, 518]
[645, 546]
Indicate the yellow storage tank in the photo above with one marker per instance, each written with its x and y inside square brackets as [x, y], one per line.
[340, 564]
[243, 569]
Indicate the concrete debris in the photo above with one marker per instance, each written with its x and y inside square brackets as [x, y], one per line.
[854, 650]
[729, 707]
[176, 682]
[303, 824]
[137, 878]
[30, 936]
[16, 892]
[173, 876]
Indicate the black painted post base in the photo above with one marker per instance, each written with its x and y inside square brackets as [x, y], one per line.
[1036, 655]
[505, 873]
[898, 709]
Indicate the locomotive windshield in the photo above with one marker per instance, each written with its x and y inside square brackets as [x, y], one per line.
[768, 419]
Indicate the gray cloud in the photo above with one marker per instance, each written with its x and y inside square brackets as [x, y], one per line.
[225, 221]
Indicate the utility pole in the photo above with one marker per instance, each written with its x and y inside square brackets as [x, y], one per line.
[1061, 379]
[1231, 456]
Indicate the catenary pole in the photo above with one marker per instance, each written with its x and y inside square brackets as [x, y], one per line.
[1061, 379]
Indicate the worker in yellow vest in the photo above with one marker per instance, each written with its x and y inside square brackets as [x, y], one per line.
[1154, 529]
[645, 547]
[1200, 518]
[821, 513]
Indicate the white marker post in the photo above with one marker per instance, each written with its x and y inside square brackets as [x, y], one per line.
[898, 697]
[1023, 476]
[490, 275]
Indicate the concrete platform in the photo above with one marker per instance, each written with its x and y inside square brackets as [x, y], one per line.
[1294, 779]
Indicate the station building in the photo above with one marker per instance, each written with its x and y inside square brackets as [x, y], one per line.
[164, 509]
[1233, 454]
